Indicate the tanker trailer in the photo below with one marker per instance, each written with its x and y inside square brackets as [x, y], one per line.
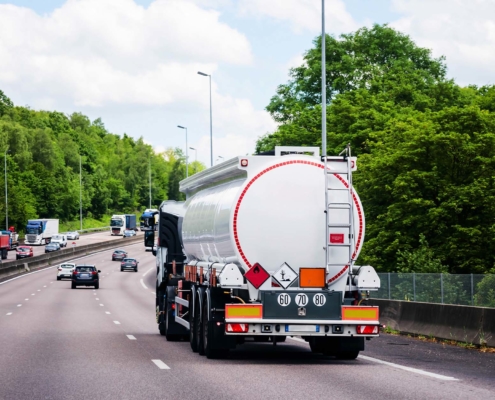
[264, 248]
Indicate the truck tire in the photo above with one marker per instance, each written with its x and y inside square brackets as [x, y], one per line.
[210, 343]
[193, 320]
[200, 300]
[4, 254]
[347, 355]
[170, 337]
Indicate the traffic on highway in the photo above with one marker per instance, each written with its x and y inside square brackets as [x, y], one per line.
[52, 336]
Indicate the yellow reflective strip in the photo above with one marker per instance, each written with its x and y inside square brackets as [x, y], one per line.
[360, 313]
[243, 311]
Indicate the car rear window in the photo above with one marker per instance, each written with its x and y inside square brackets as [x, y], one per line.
[119, 251]
[67, 266]
[129, 259]
[23, 248]
[85, 269]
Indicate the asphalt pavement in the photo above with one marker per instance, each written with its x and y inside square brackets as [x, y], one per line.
[59, 343]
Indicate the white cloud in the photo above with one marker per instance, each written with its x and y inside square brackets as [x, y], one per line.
[303, 15]
[463, 31]
[96, 52]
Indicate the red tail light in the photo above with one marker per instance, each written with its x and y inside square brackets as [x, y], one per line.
[367, 329]
[173, 306]
[60, 269]
[237, 328]
[94, 273]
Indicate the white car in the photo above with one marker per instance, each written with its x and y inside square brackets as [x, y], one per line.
[61, 239]
[73, 235]
[65, 271]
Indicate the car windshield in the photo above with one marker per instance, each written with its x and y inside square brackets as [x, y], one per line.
[116, 222]
[57, 237]
[85, 269]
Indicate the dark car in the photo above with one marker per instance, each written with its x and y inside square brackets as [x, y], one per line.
[52, 247]
[119, 255]
[23, 252]
[86, 275]
[129, 263]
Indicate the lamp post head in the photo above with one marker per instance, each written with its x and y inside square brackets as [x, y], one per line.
[192, 148]
[181, 127]
[202, 73]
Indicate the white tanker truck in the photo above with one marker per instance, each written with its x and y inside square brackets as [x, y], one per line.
[264, 248]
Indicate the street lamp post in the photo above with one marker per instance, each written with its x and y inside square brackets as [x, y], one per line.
[150, 179]
[323, 84]
[187, 163]
[211, 126]
[195, 157]
[80, 191]
[6, 193]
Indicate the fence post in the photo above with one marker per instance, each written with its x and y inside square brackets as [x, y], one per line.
[414, 286]
[441, 285]
[472, 290]
[389, 286]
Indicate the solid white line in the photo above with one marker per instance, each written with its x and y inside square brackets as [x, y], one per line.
[130, 337]
[116, 322]
[147, 271]
[142, 283]
[160, 364]
[153, 292]
[9, 313]
[409, 369]
[107, 312]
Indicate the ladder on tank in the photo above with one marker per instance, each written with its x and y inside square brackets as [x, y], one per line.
[339, 213]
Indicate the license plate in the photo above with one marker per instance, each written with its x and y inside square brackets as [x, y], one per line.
[85, 276]
[302, 328]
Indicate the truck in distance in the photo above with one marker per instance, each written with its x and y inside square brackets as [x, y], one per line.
[264, 247]
[14, 238]
[40, 231]
[120, 223]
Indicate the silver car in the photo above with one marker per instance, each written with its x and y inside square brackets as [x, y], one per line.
[73, 235]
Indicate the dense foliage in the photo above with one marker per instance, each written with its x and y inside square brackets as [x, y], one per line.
[44, 150]
[426, 148]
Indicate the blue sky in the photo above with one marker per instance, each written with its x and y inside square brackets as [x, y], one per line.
[135, 67]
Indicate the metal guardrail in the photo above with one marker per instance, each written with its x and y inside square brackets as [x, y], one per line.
[103, 228]
[468, 289]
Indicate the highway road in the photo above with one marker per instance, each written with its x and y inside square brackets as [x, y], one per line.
[88, 238]
[59, 343]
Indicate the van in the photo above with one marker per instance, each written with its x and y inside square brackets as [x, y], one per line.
[60, 239]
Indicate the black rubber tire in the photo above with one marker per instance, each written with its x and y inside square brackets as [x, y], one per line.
[122, 270]
[194, 312]
[59, 278]
[97, 286]
[170, 337]
[73, 286]
[316, 346]
[347, 355]
[113, 259]
[135, 269]
[199, 327]
[209, 351]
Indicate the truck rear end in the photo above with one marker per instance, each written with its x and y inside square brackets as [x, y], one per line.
[264, 247]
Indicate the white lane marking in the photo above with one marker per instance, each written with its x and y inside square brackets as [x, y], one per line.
[142, 283]
[101, 305]
[153, 292]
[33, 294]
[44, 286]
[19, 305]
[409, 369]
[130, 337]
[160, 364]
[107, 312]
[51, 282]
[97, 298]
[94, 294]
[116, 322]
[9, 313]
[147, 271]
[26, 299]
[39, 290]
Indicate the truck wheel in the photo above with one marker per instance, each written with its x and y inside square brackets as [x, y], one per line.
[316, 345]
[209, 341]
[4, 254]
[198, 326]
[170, 337]
[193, 320]
[347, 355]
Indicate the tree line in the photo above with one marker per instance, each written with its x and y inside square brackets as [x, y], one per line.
[425, 147]
[45, 150]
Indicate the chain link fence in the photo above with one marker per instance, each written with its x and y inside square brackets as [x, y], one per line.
[469, 290]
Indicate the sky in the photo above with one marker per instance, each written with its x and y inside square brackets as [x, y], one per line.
[134, 63]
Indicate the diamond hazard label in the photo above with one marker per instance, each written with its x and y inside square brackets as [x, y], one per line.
[285, 275]
[257, 275]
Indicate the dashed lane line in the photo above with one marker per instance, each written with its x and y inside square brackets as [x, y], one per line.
[107, 312]
[116, 322]
[160, 364]
[130, 337]
[101, 305]
[9, 313]
[148, 271]
[19, 305]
